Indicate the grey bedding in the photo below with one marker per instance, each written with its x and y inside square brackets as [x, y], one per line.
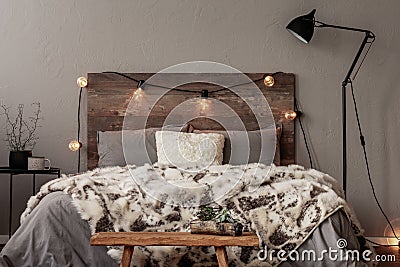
[55, 235]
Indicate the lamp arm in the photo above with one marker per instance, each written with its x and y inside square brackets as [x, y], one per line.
[319, 24]
[369, 37]
[357, 57]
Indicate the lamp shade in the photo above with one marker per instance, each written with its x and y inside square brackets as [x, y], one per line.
[302, 27]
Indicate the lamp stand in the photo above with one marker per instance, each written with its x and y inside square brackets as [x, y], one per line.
[302, 27]
[347, 79]
[368, 38]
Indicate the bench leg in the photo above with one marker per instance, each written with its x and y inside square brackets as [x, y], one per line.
[221, 256]
[127, 256]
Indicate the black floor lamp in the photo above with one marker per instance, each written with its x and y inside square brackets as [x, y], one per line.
[303, 28]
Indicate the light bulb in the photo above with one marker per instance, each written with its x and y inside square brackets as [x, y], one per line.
[388, 233]
[82, 82]
[138, 94]
[291, 115]
[75, 145]
[138, 91]
[204, 94]
[204, 104]
[269, 81]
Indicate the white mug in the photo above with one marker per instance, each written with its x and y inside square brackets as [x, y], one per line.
[38, 163]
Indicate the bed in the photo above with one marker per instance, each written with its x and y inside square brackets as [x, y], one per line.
[60, 219]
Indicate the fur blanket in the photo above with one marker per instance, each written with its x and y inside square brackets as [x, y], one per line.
[283, 205]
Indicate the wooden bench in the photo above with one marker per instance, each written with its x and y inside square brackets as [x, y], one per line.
[131, 239]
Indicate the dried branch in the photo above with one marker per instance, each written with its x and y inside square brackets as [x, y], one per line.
[21, 133]
[19, 122]
[31, 138]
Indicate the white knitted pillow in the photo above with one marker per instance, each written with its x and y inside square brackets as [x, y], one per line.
[189, 149]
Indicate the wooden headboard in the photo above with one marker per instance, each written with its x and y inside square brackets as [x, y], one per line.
[109, 95]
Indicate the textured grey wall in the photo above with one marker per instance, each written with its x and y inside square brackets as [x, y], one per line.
[46, 45]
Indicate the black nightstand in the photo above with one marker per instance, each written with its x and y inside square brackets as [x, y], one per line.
[12, 172]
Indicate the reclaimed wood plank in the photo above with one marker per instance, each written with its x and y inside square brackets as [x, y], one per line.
[170, 239]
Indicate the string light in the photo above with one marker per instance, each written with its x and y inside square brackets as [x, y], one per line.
[204, 102]
[291, 115]
[138, 94]
[269, 81]
[74, 145]
[204, 94]
[204, 105]
[140, 84]
[82, 82]
[391, 239]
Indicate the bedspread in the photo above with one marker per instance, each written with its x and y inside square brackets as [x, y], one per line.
[283, 205]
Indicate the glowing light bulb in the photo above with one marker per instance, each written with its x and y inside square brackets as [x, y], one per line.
[138, 94]
[291, 115]
[204, 105]
[82, 82]
[269, 81]
[390, 238]
[141, 84]
[74, 145]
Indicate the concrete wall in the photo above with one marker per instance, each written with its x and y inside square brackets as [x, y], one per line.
[46, 45]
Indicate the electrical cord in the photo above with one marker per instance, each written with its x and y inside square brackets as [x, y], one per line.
[236, 85]
[304, 134]
[123, 75]
[140, 82]
[79, 128]
[362, 140]
[240, 84]
[382, 245]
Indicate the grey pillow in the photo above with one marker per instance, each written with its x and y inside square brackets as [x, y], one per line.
[243, 147]
[140, 146]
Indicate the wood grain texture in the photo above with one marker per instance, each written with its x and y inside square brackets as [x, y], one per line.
[109, 96]
[170, 239]
[221, 256]
[127, 256]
